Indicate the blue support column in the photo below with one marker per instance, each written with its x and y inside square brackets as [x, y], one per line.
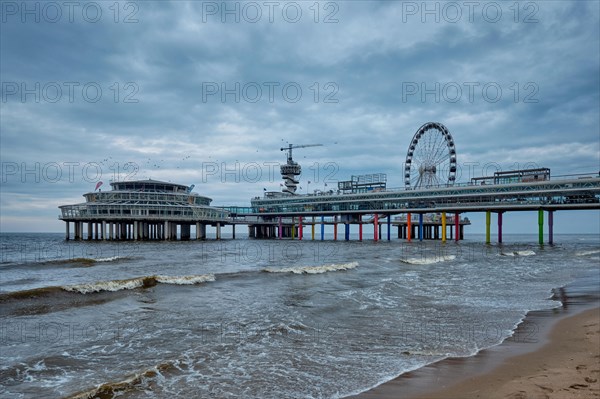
[420, 227]
[347, 232]
[389, 226]
[322, 228]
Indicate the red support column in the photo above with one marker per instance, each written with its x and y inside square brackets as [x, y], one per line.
[375, 227]
[300, 228]
[408, 227]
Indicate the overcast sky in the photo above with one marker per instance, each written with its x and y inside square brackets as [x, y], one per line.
[206, 93]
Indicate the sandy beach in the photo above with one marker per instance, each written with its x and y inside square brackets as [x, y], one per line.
[563, 364]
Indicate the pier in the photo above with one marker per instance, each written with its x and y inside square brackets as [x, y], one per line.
[431, 205]
[135, 211]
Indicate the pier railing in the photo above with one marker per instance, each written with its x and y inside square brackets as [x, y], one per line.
[143, 212]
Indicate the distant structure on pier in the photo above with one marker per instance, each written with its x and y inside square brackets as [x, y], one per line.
[292, 169]
[143, 209]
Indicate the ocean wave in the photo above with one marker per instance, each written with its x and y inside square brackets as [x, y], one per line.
[428, 260]
[111, 258]
[138, 282]
[29, 294]
[586, 253]
[128, 384]
[314, 269]
[519, 253]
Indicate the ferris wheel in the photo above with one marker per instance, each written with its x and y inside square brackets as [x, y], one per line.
[431, 157]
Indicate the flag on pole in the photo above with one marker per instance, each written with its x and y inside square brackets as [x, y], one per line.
[98, 185]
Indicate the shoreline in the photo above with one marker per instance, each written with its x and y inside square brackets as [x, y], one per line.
[534, 342]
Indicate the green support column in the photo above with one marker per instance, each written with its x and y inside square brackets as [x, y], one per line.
[541, 226]
[488, 222]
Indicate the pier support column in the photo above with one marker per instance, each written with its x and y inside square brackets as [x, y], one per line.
[293, 228]
[500, 227]
[334, 228]
[312, 229]
[103, 231]
[541, 226]
[185, 232]
[300, 228]
[110, 231]
[347, 231]
[96, 231]
[89, 231]
[389, 227]
[408, 227]
[322, 228]
[488, 222]
[360, 227]
[136, 230]
[67, 232]
[280, 232]
[420, 227]
[233, 231]
[456, 226]
[218, 231]
[550, 227]
[375, 227]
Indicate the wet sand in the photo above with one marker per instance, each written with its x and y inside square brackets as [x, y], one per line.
[553, 354]
[568, 366]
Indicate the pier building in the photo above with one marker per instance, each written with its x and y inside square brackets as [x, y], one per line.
[142, 210]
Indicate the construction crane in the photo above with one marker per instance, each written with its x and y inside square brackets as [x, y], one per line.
[291, 146]
[291, 169]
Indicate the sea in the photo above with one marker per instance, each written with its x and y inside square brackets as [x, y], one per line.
[250, 318]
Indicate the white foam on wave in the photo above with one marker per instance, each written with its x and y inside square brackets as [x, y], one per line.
[110, 259]
[585, 253]
[185, 280]
[314, 269]
[428, 260]
[138, 282]
[114, 285]
[519, 253]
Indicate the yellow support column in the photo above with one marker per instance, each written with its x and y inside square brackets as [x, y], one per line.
[293, 228]
[443, 226]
